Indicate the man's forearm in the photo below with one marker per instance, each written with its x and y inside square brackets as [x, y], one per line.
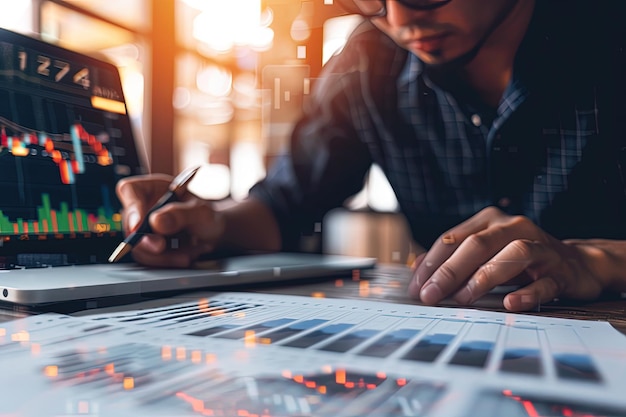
[249, 225]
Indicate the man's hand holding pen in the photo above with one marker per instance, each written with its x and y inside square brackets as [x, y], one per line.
[178, 231]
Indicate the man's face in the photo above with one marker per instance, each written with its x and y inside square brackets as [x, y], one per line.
[447, 33]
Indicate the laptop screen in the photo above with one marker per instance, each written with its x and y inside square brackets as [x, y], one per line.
[65, 140]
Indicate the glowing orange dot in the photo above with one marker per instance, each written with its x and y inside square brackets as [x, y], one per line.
[249, 338]
[401, 381]
[299, 379]
[129, 383]
[166, 353]
[339, 283]
[51, 371]
[364, 288]
[340, 376]
[21, 336]
[109, 368]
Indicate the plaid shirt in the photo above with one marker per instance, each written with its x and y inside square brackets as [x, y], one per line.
[550, 151]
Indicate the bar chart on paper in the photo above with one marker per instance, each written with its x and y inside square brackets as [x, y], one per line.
[239, 354]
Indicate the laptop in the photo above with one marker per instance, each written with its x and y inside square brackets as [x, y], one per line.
[65, 141]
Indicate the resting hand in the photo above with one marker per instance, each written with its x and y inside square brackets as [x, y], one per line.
[181, 231]
[493, 248]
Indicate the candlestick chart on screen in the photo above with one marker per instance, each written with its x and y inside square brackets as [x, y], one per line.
[59, 181]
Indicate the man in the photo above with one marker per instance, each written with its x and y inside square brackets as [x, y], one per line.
[497, 122]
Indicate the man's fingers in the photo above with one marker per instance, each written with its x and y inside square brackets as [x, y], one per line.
[137, 195]
[195, 217]
[470, 256]
[146, 189]
[510, 262]
[449, 242]
[533, 295]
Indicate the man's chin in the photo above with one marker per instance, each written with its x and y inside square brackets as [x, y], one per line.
[440, 61]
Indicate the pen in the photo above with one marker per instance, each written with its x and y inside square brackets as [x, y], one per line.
[178, 185]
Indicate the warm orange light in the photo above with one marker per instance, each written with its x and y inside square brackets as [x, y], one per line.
[340, 376]
[129, 383]
[381, 375]
[286, 374]
[249, 339]
[401, 382]
[203, 305]
[318, 294]
[224, 24]
[181, 353]
[109, 369]
[210, 358]
[364, 288]
[321, 389]
[18, 150]
[239, 315]
[339, 283]
[3, 332]
[109, 105]
[105, 160]
[196, 356]
[51, 371]
[299, 379]
[166, 353]
[21, 336]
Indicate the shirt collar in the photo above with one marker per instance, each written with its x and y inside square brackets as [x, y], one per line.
[413, 68]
